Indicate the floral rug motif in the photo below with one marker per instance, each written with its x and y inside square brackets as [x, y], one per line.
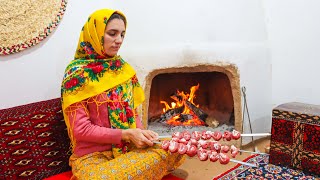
[264, 171]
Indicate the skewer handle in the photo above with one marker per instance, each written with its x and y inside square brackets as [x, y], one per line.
[243, 163]
[164, 137]
[256, 134]
[252, 152]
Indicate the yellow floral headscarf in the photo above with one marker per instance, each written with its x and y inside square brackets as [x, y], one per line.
[91, 73]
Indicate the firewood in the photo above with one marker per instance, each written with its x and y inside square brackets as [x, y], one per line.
[185, 117]
[171, 113]
[198, 111]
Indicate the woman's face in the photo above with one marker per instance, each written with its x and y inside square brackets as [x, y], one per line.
[113, 36]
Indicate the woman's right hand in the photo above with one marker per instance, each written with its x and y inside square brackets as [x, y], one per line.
[137, 137]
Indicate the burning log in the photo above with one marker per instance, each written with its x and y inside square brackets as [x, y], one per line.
[185, 117]
[171, 113]
[183, 111]
[197, 111]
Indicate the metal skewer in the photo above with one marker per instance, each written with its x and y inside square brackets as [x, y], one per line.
[251, 152]
[243, 163]
[256, 134]
[164, 137]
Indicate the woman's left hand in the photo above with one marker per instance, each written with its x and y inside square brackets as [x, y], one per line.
[150, 135]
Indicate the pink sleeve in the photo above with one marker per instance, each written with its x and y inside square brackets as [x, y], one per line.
[85, 130]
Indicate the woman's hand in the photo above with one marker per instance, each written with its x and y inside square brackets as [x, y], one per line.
[140, 138]
[151, 135]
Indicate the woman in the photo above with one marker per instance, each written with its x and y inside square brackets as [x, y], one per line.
[100, 94]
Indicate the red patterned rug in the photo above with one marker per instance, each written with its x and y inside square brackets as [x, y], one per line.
[30, 147]
[263, 171]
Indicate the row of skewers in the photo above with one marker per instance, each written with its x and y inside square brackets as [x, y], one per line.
[206, 145]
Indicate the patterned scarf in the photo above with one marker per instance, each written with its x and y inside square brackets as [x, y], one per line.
[91, 74]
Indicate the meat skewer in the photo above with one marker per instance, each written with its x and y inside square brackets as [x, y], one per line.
[242, 135]
[165, 146]
[198, 143]
[203, 154]
[223, 158]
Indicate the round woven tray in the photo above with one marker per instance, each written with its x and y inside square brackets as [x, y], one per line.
[25, 23]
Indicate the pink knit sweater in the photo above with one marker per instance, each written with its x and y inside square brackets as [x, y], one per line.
[93, 132]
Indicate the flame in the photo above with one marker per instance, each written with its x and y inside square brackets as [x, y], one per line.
[180, 101]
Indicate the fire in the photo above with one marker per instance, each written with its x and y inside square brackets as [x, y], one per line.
[183, 100]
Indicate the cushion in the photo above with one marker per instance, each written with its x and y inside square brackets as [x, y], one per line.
[295, 139]
[34, 143]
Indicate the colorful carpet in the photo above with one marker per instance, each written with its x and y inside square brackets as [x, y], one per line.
[263, 171]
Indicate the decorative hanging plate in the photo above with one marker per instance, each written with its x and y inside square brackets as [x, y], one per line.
[24, 23]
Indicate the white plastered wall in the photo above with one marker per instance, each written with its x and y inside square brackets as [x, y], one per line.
[293, 34]
[161, 33]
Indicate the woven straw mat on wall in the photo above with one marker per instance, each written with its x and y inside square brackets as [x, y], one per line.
[24, 23]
